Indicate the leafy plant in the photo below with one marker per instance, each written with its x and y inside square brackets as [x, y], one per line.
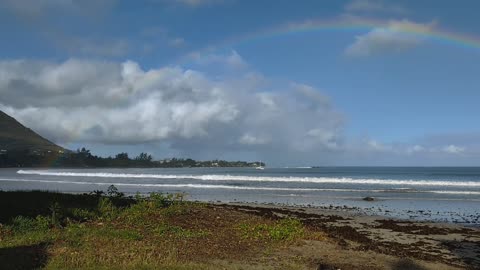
[22, 224]
[106, 209]
[113, 192]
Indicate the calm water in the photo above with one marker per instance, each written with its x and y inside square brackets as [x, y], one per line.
[442, 194]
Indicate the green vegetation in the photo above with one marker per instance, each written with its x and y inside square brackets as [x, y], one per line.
[282, 230]
[15, 136]
[84, 158]
[110, 231]
[22, 147]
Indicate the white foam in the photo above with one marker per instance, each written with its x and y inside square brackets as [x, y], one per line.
[456, 192]
[203, 186]
[178, 185]
[213, 177]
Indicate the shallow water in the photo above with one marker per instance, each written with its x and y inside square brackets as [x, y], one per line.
[438, 194]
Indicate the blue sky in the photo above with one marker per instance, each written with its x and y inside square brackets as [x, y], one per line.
[186, 78]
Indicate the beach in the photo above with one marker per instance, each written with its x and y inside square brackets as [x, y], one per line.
[242, 218]
[160, 232]
[374, 242]
[440, 194]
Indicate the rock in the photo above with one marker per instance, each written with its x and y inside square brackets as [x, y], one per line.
[368, 199]
[324, 266]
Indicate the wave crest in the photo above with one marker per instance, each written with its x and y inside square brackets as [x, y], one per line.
[214, 177]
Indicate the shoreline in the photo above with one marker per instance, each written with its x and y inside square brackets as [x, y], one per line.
[451, 244]
[249, 235]
[373, 209]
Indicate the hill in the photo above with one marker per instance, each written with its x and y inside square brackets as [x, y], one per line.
[16, 137]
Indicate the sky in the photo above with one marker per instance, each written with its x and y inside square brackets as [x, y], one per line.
[291, 83]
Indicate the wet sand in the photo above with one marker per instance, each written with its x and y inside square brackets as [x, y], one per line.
[360, 241]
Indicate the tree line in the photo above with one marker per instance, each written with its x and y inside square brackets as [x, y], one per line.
[84, 158]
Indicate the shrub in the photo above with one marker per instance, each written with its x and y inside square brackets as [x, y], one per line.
[55, 213]
[113, 192]
[106, 209]
[22, 224]
[82, 214]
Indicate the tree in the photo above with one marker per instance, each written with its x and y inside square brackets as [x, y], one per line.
[144, 157]
[122, 156]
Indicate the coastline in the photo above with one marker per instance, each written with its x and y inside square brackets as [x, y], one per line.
[101, 228]
[376, 239]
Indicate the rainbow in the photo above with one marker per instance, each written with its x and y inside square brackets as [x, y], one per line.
[428, 31]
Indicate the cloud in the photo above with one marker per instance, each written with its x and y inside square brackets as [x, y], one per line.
[121, 103]
[415, 149]
[394, 37]
[377, 146]
[453, 149]
[373, 6]
[252, 140]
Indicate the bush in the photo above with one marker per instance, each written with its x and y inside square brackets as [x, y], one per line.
[80, 214]
[106, 209]
[22, 224]
[113, 192]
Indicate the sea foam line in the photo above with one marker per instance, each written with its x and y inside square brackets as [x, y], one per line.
[213, 177]
[178, 185]
[200, 186]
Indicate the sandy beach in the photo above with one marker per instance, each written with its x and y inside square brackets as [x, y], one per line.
[358, 241]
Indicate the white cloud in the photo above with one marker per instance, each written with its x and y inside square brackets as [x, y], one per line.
[122, 103]
[371, 6]
[394, 37]
[377, 146]
[415, 149]
[453, 149]
[252, 140]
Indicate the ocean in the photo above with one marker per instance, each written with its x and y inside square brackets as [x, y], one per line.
[446, 194]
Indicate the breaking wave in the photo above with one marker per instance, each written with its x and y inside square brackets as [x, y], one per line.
[203, 186]
[213, 177]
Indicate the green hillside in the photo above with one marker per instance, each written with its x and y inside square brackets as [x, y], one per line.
[14, 137]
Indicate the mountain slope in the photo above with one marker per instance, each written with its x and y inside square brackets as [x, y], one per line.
[14, 136]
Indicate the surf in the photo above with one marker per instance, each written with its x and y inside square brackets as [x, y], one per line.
[240, 178]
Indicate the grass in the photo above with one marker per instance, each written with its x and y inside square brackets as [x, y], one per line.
[283, 230]
[98, 231]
